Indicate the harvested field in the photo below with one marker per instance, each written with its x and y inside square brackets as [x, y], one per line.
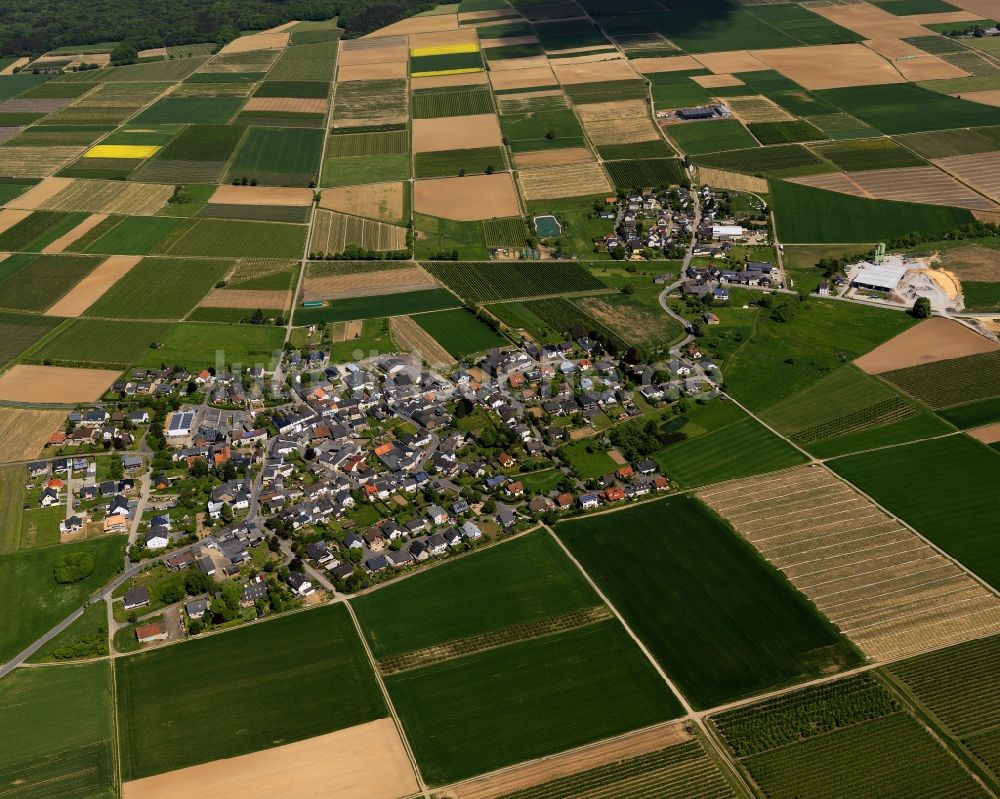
[372, 764]
[60, 244]
[843, 65]
[35, 162]
[932, 340]
[674, 63]
[519, 778]
[54, 384]
[411, 337]
[332, 232]
[926, 185]
[892, 594]
[989, 434]
[733, 181]
[41, 193]
[868, 21]
[632, 322]
[620, 122]
[322, 283]
[572, 180]
[375, 71]
[717, 81]
[373, 51]
[261, 195]
[913, 63]
[517, 64]
[110, 197]
[382, 201]
[728, 62]
[369, 102]
[443, 41]
[24, 432]
[93, 286]
[988, 97]
[428, 24]
[10, 217]
[293, 105]
[247, 298]
[555, 157]
[468, 199]
[973, 262]
[454, 133]
[595, 72]
[256, 41]
[522, 78]
[758, 109]
[446, 81]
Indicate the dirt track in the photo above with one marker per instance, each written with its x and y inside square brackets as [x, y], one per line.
[934, 339]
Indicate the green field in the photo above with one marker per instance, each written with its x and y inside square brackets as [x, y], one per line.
[542, 130]
[862, 154]
[311, 89]
[460, 331]
[219, 238]
[407, 302]
[779, 160]
[96, 342]
[200, 110]
[736, 28]
[27, 582]
[809, 215]
[487, 281]
[12, 492]
[521, 581]
[194, 345]
[133, 235]
[87, 637]
[947, 143]
[355, 170]
[305, 62]
[20, 331]
[587, 458]
[159, 288]
[950, 382]
[696, 138]
[645, 173]
[785, 132]
[45, 280]
[286, 705]
[452, 163]
[527, 699]
[202, 143]
[973, 414]
[950, 507]
[278, 156]
[59, 733]
[721, 621]
[451, 102]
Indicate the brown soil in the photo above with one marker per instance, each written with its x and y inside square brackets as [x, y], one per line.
[247, 298]
[979, 171]
[674, 63]
[60, 244]
[382, 201]
[10, 217]
[973, 262]
[394, 51]
[464, 16]
[518, 64]
[295, 105]
[155, 52]
[346, 331]
[843, 65]
[519, 778]
[617, 122]
[617, 457]
[256, 41]
[23, 383]
[444, 81]
[35, 162]
[983, 9]
[522, 78]
[443, 38]
[557, 157]
[834, 181]
[598, 72]
[37, 196]
[572, 180]
[587, 58]
[725, 63]
[990, 434]
[934, 339]
[894, 48]
[438, 22]
[25, 431]
[717, 81]
[379, 71]
[93, 286]
[467, 199]
[261, 195]
[757, 108]
[411, 337]
[504, 41]
[928, 67]
[367, 284]
[111, 197]
[363, 762]
[868, 20]
[988, 97]
[919, 185]
[456, 133]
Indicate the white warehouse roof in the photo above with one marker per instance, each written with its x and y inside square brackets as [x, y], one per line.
[726, 230]
[882, 276]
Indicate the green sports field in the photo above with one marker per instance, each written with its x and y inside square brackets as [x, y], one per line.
[460, 331]
[279, 681]
[721, 621]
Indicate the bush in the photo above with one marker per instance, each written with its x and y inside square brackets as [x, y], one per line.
[73, 567]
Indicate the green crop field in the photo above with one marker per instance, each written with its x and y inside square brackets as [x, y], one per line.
[691, 29]
[278, 156]
[12, 492]
[949, 382]
[785, 132]
[521, 581]
[20, 331]
[407, 302]
[945, 144]
[99, 343]
[846, 740]
[193, 346]
[805, 214]
[973, 414]
[160, 288]
[606, 91]
[133, 235]
[890, 108]
[696, 138]
[200, 110]
[155, 735]
[804, 25]
[451, 102]
[950, 507]
[542, 130]
[222, 237]
[308, 89]
[565, 317]
[26, 581]
[391, 142]
[961, 687]
[460, 331]
[861, 154]
[645, 173]
[45, 280]
[779, 160]
[33, 228]
[305, 62]
[528, 699]
[488, 281]
[509, 232]
[58, 732]
[721, 621]
[452, 163]
[202, 143]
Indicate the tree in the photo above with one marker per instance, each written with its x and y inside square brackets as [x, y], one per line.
[171, 592]
[115, 470]
[197, 582]
[181, 196]
[226, 513]
[921, 308]
[124, 53]
[73, 567]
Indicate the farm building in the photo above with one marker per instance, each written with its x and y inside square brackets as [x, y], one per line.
[180, 424]
[727, 231]
[701, 112]
[878, 277]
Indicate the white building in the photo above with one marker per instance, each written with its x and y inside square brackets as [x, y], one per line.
[727, 231]
[879, 277]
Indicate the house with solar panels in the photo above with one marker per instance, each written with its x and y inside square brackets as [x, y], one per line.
[180, 424]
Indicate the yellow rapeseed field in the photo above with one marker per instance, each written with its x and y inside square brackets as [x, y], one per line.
[445, 49]
[121, 151]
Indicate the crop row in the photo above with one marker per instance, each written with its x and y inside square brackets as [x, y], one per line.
[565, 317]
[880, 413]
[950, 382]
[484, 281]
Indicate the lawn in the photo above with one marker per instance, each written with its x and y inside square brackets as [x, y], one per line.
[808, 215]
[721, 621]
[587, 458]
[375, 338]
[938, 487]
[279, 156]
[288, 679]
[460, 331]
[696, 138]
[526, 700]
[160, 288]
[407, 302]
[196, 345]
[520, 581]
[59, 726]
[27, 582]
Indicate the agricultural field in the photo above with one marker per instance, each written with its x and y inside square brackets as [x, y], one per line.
[19, 331]
[948, 382]
[646, 173]
[798, 746]
[779, 160]
[278, 156]
[12, 492]
[451, 102]
[42, 282]
[220, 238]
[159, 288]
[404, 302]
[460, 332]
[193, 346]
[862, 154]
[155, 734]
[697, 138]
[99, 343]
[722, 623]
[478, 282]
[333, 232]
